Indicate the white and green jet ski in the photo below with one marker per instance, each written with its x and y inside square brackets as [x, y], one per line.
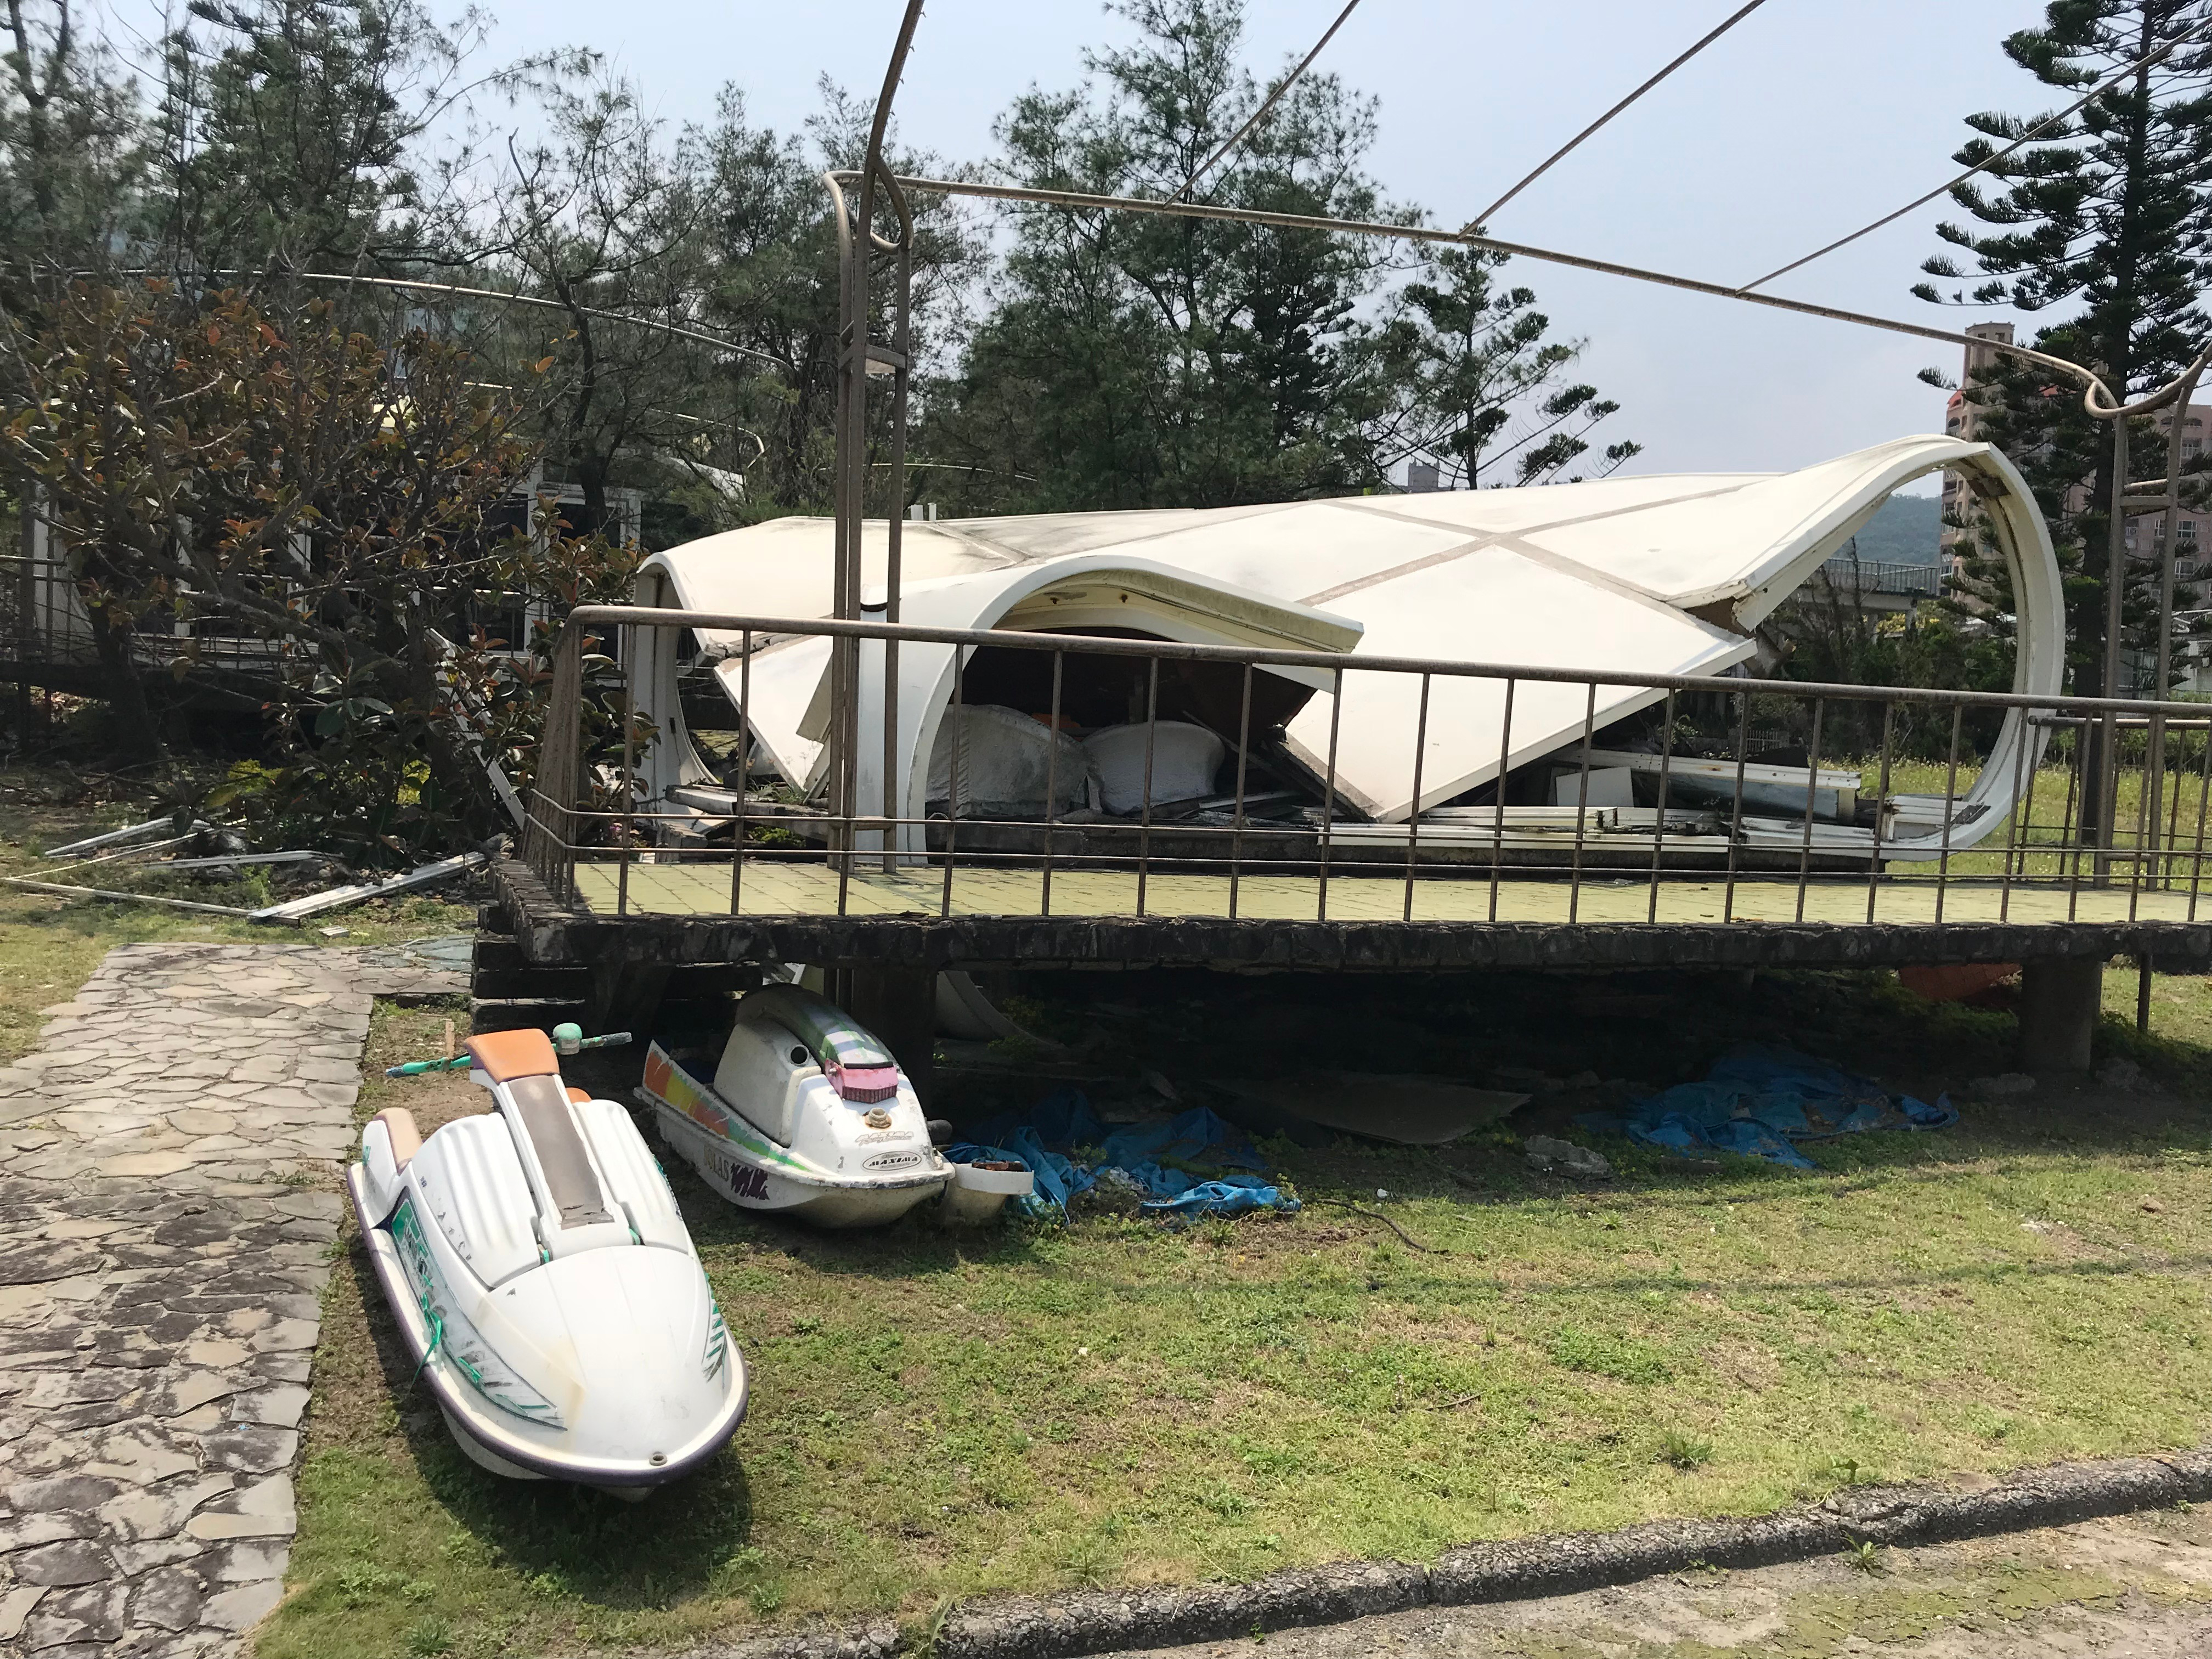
[806, 1115]
[543, 1280]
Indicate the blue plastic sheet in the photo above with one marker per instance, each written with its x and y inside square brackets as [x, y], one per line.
[1760, 1102]
[1062, 1124]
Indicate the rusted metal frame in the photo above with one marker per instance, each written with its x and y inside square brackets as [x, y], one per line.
[1735, 809]
[1330, 662]
[1659, 835]
[629, 822]
[1497, 819]
[1950, 795]
[744, 771]
[2204, 800]
[1581, 807]
[1812, 797]
[1328, 800]
[1145, 832]
[1052, 785]
[952, 804]
[1237, 823]
[1881, 798]
[1414, 819]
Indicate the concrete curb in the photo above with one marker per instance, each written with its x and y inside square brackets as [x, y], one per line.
[1084, 1622]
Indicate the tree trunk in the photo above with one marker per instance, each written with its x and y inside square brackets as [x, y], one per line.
[111, 641]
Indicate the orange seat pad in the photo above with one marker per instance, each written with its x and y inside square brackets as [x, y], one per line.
[506, 1056]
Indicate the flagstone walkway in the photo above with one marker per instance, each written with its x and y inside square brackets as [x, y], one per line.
[168, 1203]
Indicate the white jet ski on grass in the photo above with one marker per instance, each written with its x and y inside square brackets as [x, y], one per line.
[807, 1114]
[543, 1280]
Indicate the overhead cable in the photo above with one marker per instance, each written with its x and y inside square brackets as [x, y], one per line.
[719, 344]
[1077, 199]
[1567, 148]
[2147, 61]
[1271, 100]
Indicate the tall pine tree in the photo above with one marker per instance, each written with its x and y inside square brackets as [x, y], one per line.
[2106, 218]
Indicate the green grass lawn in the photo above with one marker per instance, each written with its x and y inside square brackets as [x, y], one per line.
[938, 1415]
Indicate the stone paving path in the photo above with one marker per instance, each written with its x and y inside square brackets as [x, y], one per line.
[168, 1203]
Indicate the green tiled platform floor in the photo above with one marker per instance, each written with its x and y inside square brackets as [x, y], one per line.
[771, 888]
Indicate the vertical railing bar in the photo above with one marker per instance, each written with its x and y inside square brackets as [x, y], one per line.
[2173, 814]
[2077, 789]
[2146, 823]
[2147, 815]
[952, 765]
[1052, 787]
[1414, 819]
[1498, 818]
[1145, 830]
[745, 767]
[628, 637]
[1581, 807]
[1659, 825]
[2066, 812]
[1812, 800]
[1237, 823]
[1882, 807]
[1735, 808]
[1328, 797]
[2017, 833]
[2204, 800]
[1950, 795]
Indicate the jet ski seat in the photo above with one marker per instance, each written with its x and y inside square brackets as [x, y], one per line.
[526, 1063]
[405, 1138]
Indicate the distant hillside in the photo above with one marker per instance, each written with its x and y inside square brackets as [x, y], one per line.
[1903, 530]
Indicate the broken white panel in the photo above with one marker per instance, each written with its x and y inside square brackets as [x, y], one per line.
[1585, 577]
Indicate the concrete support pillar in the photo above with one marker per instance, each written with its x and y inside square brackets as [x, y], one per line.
[899, 1004]
[2058, 1004]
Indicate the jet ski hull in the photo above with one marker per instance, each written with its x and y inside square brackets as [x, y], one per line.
[494, 1438]
[755, 1173]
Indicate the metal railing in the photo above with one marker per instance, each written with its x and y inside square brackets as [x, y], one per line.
[2028, 822]
[43, 624]
[1845, 574]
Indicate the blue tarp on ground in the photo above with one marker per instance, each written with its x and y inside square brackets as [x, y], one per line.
[1759, 1100]
[1063, 1123]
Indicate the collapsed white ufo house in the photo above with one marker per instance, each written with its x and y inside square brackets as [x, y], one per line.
[1652, 575]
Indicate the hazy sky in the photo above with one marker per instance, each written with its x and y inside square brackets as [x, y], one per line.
[1809, 119]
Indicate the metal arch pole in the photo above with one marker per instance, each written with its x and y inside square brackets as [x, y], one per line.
[852, 451]
[2169, 550]
[2105, 774]
[844, 490]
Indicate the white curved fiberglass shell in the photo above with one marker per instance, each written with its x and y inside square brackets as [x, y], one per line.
[1660, 575]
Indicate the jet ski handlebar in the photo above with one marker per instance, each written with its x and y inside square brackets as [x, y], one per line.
[567, 1039]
